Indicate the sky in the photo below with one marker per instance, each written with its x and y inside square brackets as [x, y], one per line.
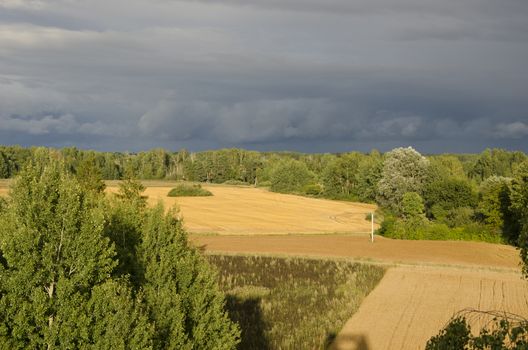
[300, 75]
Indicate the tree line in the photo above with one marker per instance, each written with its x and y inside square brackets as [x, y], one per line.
[446, 196]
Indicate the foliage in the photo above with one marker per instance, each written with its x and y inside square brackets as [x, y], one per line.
[519, 207]
[339, 176]
[77, 271]
[494, 202]
[235, 183]
[456, 335]
[404, 170]
[292, 303]
[394, 227]
[503, 331]
[130, 190]
[506, 331]
[56, 273]
[290, 176]
[312, 189]
[90, 176]
[449, 194]
[189, 190]
[180, 289]
[368, 176]
[412, 206]
[496, 162]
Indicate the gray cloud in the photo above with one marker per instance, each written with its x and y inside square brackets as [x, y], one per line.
[514, 130]
[307, 75]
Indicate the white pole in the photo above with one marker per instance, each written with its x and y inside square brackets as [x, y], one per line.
[372, 227]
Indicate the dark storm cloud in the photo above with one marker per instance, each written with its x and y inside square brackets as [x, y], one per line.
[308, 75]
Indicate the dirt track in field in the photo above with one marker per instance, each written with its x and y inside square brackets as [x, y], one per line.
[247, 210]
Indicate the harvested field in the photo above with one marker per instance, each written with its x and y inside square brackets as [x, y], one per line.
[447, 253]
[411, 304]
[247, 210]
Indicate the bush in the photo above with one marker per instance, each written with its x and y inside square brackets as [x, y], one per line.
[264, 184]
[313, 189]
[502, 331]
[393, 227]
[235, 183]
[189, 190]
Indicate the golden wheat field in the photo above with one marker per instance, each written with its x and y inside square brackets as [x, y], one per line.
[248, 210]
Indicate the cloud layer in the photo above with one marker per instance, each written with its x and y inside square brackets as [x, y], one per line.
[304, 75]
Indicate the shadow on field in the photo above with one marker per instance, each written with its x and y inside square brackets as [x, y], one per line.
[348, 341]
[248, 314]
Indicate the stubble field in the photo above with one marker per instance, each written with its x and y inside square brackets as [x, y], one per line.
[247, 210]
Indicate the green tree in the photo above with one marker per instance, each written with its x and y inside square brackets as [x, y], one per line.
[368, 176]
[494, 201]
[404, 170]
[290, 176]
[448, 194]
[519, 207]
[4, 166]
[56, 289]
[131, 190]
[180, 288]
[412, 206]
[339, 176]
[89, 175]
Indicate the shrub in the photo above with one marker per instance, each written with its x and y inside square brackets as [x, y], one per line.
[502, 331]
[264, 184]
[393, 227]
[313, 189]
[189, 190]
[235, 183]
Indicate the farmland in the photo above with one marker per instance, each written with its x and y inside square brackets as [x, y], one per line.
[292, 303]
[247, 210]
[425, 283]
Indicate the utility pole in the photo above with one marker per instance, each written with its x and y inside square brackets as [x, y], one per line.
[372, 227]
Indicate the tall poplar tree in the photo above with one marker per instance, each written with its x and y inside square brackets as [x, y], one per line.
[56, 289]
